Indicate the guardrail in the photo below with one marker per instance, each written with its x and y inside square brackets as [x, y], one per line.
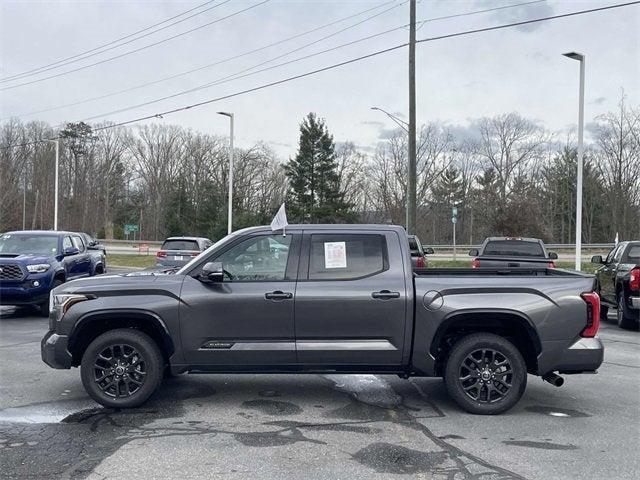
[549, 246]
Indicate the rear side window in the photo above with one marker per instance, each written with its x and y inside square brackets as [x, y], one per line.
[513, 248]
[346, 257]
[78, 243]
[180, 245]
[633, 255]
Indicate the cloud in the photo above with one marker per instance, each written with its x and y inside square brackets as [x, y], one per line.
[373, 123]
[598, 101]
[518, 14]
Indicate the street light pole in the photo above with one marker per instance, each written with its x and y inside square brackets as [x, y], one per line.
[230, 206]
[55, 184]
[411, 194]
[581, 58]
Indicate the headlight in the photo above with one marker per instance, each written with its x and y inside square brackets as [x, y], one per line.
[62, 302]
[39, 268]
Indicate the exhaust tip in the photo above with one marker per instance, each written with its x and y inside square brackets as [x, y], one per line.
[553, 379]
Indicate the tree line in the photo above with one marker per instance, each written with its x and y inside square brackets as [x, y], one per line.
[510, 176]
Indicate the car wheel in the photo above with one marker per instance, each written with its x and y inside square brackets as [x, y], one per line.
[44, 306]
[625, 317]
[122, 368]
[485, 374]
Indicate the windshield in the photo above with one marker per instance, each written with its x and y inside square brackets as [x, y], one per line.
[513, 248]
[191, 245]
[29, 244]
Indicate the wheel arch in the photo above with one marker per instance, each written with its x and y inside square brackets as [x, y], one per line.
[94, 324]
[507, 323]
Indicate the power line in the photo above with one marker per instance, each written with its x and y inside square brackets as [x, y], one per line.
[337, 65]
[137, 49]
[229, 77]
[219, 62]
[74, 58]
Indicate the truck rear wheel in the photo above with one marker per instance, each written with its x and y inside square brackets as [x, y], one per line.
[485, 374]
[627, 319]
[122, 368]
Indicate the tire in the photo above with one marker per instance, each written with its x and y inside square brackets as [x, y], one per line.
[485, 398]
[44, 306]
[140, 365]
[625, 315]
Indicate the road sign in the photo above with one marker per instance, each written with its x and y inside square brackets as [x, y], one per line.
[454, 220]
[131, 228]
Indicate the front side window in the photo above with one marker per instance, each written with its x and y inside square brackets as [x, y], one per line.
[66, 243]
[618, 255]
[346, 257]
[260, 258]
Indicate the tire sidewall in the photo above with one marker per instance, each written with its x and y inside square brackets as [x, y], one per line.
[473, 342]
[149, 351]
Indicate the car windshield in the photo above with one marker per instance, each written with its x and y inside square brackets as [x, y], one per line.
[513, 248]
[179, 244]
[28, 244]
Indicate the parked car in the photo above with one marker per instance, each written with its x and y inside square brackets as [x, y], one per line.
[512, 252]
[619, 283]
[418, 252]
[96, 249]
[178, 251]
[32, 263]
[326, 298]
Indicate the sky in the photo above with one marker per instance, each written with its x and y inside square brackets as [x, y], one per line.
[458, 79]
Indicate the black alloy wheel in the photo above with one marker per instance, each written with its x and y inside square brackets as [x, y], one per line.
[486, 375]
[119, 370]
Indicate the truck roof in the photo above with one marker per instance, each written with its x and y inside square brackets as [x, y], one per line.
[40, 232]
[328, 226]
[522, 239]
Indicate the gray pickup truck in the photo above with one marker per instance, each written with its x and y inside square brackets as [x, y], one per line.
[326, 299]
[512, 252]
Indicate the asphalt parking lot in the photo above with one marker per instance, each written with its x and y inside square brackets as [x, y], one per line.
[313, 426]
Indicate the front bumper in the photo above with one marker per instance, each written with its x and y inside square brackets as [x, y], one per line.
[584, 355]
[53, 348]
[24, 292]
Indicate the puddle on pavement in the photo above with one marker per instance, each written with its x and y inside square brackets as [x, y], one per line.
[556, 411]
[53, 412]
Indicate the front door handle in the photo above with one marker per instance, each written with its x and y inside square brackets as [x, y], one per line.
[278, 295]
[385, 294]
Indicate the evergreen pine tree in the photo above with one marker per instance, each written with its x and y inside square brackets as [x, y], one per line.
[314, 184]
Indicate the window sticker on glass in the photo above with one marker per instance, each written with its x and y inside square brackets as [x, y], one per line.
[335, 255]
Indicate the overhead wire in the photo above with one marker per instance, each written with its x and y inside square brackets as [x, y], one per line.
[340, 64]
[229, 77]
[94, 51]
[11, 87]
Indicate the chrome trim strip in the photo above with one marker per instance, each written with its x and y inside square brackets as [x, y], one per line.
[255, 346]
[362, 345]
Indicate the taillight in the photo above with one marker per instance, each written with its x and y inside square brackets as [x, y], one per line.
[593, 314]
[420, 262]
[552, 264]
[634, 279]
[161, 254]
[194, 254]
[475, 263]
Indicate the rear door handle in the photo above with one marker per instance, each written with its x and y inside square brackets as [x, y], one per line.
[278, 295]
[385, 294]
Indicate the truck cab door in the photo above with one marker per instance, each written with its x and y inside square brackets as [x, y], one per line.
[69, 261]
[351, 300]
[245, 321]
[608, 274]
[83, 258]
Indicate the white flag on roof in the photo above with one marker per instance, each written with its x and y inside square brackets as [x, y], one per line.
[280, 220]
[616, 240]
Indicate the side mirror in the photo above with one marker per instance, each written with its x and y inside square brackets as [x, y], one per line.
[473, 252]
[212, 272]
[429, 251]
[71, 251]
[596, 259]
[553, 255]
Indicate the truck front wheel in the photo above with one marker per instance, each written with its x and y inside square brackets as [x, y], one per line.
[485, 374]
[122, 368]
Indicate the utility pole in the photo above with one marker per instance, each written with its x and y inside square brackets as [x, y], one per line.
[230, 205]
[411, 194]
[55, 184]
